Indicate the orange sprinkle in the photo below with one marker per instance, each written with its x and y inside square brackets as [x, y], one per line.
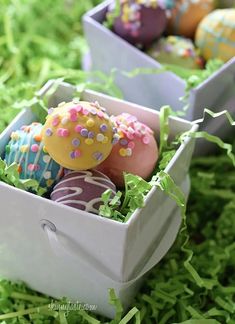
[38, 138]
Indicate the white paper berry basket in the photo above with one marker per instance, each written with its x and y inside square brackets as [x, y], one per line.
[62, 251]
[155, 90]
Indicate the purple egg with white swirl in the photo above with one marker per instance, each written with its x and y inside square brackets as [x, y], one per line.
[82, 190]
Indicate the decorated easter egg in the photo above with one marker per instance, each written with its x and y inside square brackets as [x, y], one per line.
[27, 149]
[215, 35]
[78, 135]
[82, 190]
[176, 50]
[185, 16]
[140, 21]
[136, 151]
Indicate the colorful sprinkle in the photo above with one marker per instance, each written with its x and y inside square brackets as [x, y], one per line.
[129, 152]
[123, 127]
[122, 152]
[36, 167]
[98, 156]
[49, 132]
[24, 148]
[131, 145]
[15, 136]
[63, 132]
[78, 128]
[131, 130]
[33, 167]
[103, 128]
[115, 139]
[72, 155]
[85, 111]
[56, 121]
[146, 140]
[123, 142]
[89, 141]
[35, 148]
[46, 158]
[44, 149]
[93, 112]
[47, 175]
[131, 119]
[130, 136]
[19, 169]
[37, 137]
[100, 114]
[76, 142]
[50, 111]
[73, 117]
[97, 105]
[100, 137]
[73, 111]
[106, 117]
[78, 108]
[65, 120]
[105, 140]
[77, 153]
[91, 135]
[90, 123]
[84, 132]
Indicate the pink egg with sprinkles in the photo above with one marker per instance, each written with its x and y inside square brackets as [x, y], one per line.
[136, 151]
[82, 190]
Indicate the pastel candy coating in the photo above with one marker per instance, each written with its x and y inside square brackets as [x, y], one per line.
[215, 35]
[176, 50]
[136, 151]
[26, 148]
[186, 15]
[140, 21]
[82, 190]
[78, 135]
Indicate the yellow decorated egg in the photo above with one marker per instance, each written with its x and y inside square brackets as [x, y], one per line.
[78, 135]
[215, 36]
[185, 16]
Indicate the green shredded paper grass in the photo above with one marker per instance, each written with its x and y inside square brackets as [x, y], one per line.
[195, 282]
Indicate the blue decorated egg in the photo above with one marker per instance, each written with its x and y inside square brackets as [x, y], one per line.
[27, 150]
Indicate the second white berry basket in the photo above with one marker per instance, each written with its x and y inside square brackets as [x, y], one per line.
[62, 251]
[155, 90]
